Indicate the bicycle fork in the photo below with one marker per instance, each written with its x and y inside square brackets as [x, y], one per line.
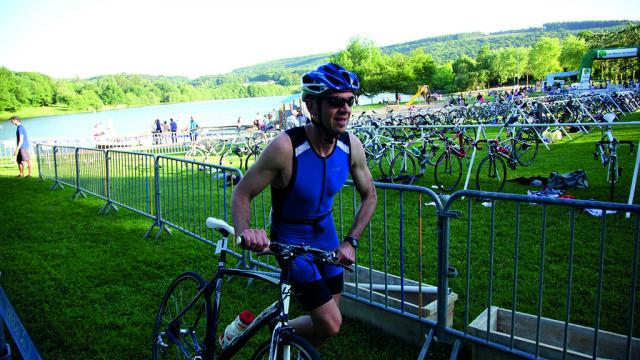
[281, 326]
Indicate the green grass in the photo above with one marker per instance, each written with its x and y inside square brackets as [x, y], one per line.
[89, 286]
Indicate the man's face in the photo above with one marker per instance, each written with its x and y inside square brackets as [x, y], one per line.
[14, 122]
[336, 110]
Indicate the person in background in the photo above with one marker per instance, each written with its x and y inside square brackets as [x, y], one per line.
[173, 126]
[301, 118]
[21, 153]
[292, 120]
[156, 131]
[193, 129]
[306, 167]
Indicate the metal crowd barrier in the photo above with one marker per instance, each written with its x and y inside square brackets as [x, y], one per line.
[91, 176]
[64, 161]
[187, 192]
[432, 261]
[130, 183]
[580, 301]
[46, 162]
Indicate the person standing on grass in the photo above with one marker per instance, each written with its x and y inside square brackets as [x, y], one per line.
[174, 129]
[306, 166]
[22, 148]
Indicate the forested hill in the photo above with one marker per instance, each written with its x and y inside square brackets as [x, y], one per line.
[451, 47]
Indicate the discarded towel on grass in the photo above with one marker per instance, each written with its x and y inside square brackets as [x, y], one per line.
[529, 180]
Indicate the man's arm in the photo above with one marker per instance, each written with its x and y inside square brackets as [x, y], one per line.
[364, 185]
[20, 141]
[267, 169]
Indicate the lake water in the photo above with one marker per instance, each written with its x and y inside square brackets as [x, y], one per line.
[140, 119]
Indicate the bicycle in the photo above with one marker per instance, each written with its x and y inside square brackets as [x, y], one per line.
[492, 171]
[448, 170]
[187, 321]
[607, 151]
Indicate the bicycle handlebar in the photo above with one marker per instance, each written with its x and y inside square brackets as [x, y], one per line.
[278, 249]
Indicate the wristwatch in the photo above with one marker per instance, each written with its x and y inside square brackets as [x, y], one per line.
[351, 240]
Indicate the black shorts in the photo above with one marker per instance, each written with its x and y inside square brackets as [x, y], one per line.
[316, 293]
[23, 155]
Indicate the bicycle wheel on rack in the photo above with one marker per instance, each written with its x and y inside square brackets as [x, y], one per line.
[297, 347]
[448, 171]
[232, 158]
[384, 163]
[491, 174]
[612, 175]
[250, 160]
[196, 154]
[403, 169]
[526, 146]
[183, 337]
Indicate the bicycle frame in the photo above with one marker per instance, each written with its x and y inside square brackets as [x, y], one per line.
[213, 288]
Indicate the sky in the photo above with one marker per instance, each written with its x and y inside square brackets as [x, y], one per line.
[85, 38]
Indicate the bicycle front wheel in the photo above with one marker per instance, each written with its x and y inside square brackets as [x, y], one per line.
[179, 333]
[294, 345]
[492, 174]
[196, 154]
[448, 171]
[403, 169]
[526, 146]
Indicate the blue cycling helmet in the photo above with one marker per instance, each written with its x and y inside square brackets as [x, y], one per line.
[329, 77]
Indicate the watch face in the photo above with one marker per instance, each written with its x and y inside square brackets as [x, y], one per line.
[353, 241]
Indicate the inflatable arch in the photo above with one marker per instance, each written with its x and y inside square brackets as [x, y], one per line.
[602, 54]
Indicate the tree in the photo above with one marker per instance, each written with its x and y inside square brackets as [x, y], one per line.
[543, 57]
[110, 92]
[484, 64]
[464, 71]
[423, 67]
[573, 49]
[364, 58]
[443, 78]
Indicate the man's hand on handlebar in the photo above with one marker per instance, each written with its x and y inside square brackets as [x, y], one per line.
[254, 240]
[345, 254]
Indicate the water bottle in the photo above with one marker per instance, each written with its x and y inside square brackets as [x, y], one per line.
[236, 327]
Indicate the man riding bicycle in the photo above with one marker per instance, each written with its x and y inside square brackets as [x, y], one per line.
[305, 167]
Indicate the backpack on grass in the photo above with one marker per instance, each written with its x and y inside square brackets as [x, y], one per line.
[573, 180]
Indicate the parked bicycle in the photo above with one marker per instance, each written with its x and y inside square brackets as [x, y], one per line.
[607, 152]
[187, 323]
[448, 169]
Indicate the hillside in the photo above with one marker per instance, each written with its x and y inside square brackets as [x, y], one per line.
[449, 47]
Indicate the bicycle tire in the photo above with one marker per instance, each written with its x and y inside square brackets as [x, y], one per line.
[251, 158]
[526, 146]
[491, 174]
[420, 120]
[300, 348]
[612, 175]
[196, 155]
[181, 291]
[448, 171]
[231, 159]
[403, 168]
[384, 163]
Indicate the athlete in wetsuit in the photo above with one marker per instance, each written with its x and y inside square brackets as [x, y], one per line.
[305, 167]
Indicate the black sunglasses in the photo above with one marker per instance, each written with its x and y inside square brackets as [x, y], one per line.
[339, 101]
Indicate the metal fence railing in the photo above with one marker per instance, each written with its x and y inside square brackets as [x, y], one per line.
[532, 266]
[542, 277]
